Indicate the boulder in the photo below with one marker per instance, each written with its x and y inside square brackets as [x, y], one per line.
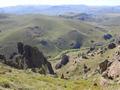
[65, 59]
[107, 36]
[112, 46]
[58, 66]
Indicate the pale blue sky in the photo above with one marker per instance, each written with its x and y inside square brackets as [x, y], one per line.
[4, 3]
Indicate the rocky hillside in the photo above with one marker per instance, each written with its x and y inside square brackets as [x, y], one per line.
[91, 68]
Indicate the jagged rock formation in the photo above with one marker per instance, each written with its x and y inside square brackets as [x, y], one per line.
[30, 57]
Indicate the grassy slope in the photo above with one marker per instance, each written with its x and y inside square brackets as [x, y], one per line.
[11, 79]
[76, 69]
[16, 28]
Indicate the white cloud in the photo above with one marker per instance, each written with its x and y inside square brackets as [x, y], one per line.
[57, 2]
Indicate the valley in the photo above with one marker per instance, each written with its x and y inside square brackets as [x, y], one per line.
[60, 48]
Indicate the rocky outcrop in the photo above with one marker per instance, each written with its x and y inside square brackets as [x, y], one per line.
[111, 70]
[114, 70]
[20, 48]
[29, 57]
[64, 61]
[104, 65]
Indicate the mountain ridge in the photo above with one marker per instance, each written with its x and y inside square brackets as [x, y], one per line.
[60, 9]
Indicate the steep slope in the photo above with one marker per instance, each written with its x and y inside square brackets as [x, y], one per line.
[50, 34]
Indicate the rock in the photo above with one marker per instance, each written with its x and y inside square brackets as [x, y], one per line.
[58, 66]
[91, 49]
[104, 65]
[85, 69]
[104, 82]
[95, 84]
[112, 46]
[17, 62]
[84, 56]
[29, 57]
[114, 70]
[62, 76]
[50, 69]
[20, 47]
[12, 55]
[65, 59]
[107, 36]
[76, 45]
[35, 59]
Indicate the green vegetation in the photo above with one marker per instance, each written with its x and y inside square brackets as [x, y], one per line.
[26, 80]
[55, 36]
[50, 34]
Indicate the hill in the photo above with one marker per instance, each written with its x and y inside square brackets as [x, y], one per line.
[71, 76]
[50, 34]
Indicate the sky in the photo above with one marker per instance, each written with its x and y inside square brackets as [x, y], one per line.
[5, 3]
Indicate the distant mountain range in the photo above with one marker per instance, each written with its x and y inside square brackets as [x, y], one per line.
[61, 9]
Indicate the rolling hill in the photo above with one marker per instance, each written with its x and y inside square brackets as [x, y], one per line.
[50, 34]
